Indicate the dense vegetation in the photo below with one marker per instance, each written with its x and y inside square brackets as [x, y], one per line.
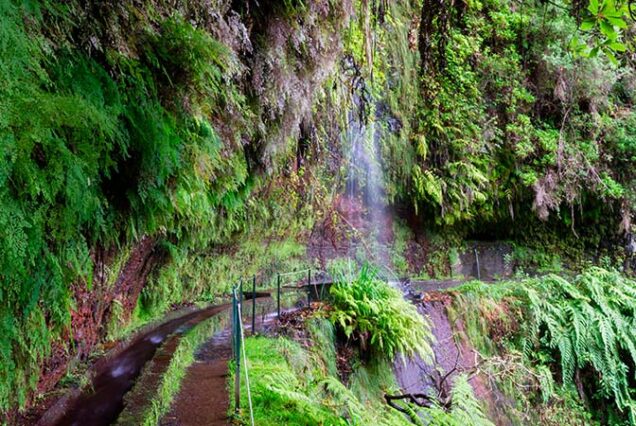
[569, 341]
[376, 316]
[506, 124]
[500, 118]
[117, 127]
[152, 153]
[297, 386]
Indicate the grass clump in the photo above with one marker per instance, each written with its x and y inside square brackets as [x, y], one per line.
[296, 384]
[279, 394]
[293, 384]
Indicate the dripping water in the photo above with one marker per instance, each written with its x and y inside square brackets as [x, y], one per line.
[365, 177]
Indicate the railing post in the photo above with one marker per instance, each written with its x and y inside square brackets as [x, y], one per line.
[241, 293]
[477, 262]
[253, 303]
[322, 289]
[278, 294]
[316, 290]
[236, 332]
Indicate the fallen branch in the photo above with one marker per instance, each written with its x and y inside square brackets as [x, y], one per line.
[420, 399]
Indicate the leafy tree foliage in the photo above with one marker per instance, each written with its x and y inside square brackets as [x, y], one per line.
[605, 22]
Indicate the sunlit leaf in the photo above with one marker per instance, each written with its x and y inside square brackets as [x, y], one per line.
[617, 46]
[608, 30]
[617, 22]
[588, 24]
[593, 7]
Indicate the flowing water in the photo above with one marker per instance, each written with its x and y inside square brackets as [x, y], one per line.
[365, 177]
[101, 402]
[366, 187]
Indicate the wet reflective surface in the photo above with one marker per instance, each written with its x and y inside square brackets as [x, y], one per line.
[104, 400]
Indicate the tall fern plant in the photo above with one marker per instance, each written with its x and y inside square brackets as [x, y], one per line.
[590, 322]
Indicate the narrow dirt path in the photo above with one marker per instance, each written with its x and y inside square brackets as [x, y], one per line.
[203, 398]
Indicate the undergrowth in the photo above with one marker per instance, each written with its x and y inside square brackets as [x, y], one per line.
[295, 385]
[298, 385]
[376, 316]
[570, 340]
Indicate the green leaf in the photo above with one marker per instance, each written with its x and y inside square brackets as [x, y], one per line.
[588, 24]
[610, 56]
[608, 30]
[617, 46]
[617, 22]
[593, 7]
[609, 8]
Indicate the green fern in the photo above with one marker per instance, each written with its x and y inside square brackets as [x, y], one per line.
[465, 410]
[589, 322]
[376, 314]
[571, 325]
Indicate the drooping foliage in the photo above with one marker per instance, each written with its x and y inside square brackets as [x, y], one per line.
[590, 323]
[93, 157]
[579, 330]
[293, 385]
[489, 115]
[298, 385]
[128, 122]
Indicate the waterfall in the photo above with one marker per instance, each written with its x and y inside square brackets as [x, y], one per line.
[365, 185]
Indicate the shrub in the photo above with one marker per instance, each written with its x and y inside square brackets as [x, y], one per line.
[589, 322]
[579, 330]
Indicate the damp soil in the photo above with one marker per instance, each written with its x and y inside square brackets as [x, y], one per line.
[101, 402]
[203, 398]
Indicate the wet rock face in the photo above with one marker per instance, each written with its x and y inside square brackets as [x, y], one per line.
[451, 356]
[484, 260]
[416, 375]
[92, 306]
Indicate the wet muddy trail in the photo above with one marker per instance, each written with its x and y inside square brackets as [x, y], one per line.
[114, 375]
[101, 403]
[203, 398]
